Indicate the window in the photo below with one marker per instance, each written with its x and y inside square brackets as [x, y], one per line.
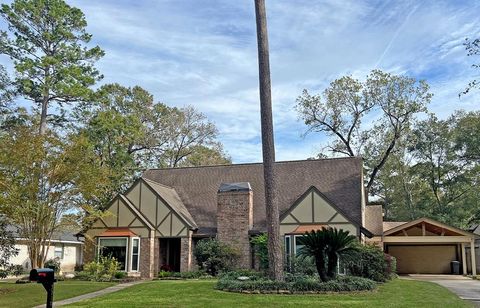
[298, 246]
[288, 250]
[114, 248]
[135, 253]
[59, 249]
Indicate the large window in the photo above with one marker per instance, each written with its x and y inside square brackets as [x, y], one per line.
[116, 248]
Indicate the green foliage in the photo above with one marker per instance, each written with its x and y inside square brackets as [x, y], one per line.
[214, 256]
[104, 269]
[432, 175]
[306, 284]
[303, 265]
[120, 275]
[53, 264]
[48, 175]
[473, 49]
[370, 262]
[129, 132]
[392, 101]
[325, 246]
[200, 274]
[47, 42]
[261, 249]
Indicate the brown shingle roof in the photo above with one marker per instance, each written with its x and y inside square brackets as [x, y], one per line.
[171, 197]
[374, 219]
[338, 178]
[387, 225]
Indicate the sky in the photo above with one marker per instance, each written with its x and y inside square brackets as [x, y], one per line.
[204, 54]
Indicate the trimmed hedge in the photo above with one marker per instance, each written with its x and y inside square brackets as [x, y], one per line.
[201, 274]
[263, 285]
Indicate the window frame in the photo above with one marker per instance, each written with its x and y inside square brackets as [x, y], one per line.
[131, 255]
[62, 246]
[127, 254]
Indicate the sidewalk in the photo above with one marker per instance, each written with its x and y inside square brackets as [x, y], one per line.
[79, 298]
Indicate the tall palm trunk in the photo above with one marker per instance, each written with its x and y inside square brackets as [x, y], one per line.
[275, 256]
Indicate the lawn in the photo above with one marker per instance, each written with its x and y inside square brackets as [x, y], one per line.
[398, 293]
[32, 294]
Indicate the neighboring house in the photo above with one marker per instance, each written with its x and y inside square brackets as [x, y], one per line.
[158, 220]
[64, 246]
[422, 246]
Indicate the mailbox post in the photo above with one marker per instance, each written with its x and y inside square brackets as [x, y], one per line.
[45, 276]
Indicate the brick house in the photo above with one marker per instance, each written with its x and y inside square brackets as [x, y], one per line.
[159, 219]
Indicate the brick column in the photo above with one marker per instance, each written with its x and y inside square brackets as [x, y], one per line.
[185, 254]
[235, 220]
[147, 256]
[89, 250]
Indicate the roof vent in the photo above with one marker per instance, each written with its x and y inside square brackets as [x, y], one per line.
[242, 186]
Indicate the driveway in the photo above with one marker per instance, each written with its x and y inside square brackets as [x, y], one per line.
[465, 288]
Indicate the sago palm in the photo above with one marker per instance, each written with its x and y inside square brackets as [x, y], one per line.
[338, 242]
[315, 245]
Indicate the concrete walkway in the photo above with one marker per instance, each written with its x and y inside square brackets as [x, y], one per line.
[466, 288]
[79, 298]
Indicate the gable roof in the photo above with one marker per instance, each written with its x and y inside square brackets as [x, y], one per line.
[171, 198]
[136, 212]
[325, 198]
[339, 179]
[429, 221]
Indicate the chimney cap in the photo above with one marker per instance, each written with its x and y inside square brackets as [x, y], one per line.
[241, 186]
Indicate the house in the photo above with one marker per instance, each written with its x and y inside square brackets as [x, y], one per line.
[159, 219]
[64, 246]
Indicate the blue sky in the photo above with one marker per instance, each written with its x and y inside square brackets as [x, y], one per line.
[203, 53]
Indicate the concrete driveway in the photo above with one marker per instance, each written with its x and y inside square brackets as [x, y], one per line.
[465, 288]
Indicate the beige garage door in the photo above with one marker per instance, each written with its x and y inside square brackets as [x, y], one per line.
[425, 259]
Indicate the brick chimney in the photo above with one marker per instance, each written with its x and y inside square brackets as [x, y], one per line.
[235, 219]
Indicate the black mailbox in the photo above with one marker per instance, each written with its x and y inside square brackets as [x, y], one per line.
[42, 275]
[45, 276]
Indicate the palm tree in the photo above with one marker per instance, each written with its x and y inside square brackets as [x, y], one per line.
[338, 242]
[268, 148]
[315, 244]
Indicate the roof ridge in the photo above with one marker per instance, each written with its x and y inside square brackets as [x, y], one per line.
[257, 163]
[156, 183]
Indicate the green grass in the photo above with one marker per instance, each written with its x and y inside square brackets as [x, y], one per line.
[397, 293]
[32, 294]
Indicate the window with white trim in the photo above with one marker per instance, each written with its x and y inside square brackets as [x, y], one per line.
[135, 254]
[59, 251]
[114, 247]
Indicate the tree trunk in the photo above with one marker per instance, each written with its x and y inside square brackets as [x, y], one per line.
[275, 255]
[332, 265]
[320, 264]
[43, 117]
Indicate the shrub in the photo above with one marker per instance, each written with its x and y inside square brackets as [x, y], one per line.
[214, 256]
[260, 243]
[3, 274]
[370, 262]
[16, 270]
[200, 274]
[53, 264]
[120, 275]
[303, 265]
[102, 270]
[233, 275]
[307, 284]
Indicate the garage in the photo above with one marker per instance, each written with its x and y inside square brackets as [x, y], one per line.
[426, 246]
[424, 259]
